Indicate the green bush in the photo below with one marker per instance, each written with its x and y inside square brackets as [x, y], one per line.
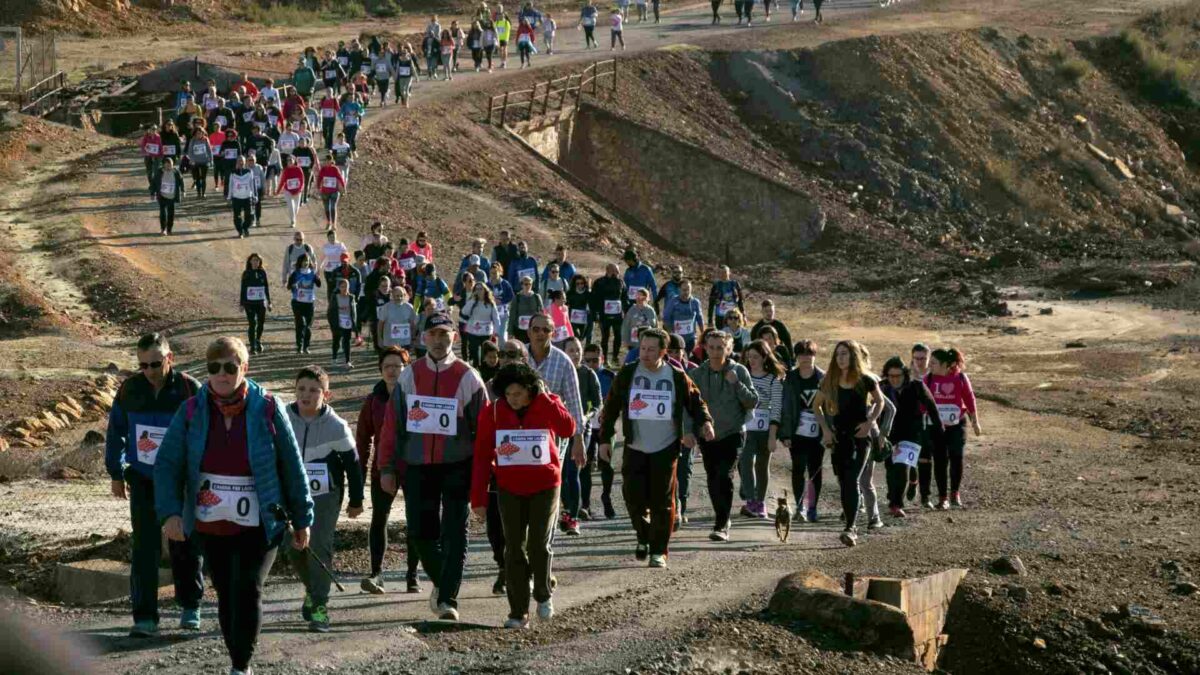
[1070, 68]
[383, 8]
[1164, 77]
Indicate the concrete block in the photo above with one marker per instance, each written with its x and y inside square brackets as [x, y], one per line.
[91, 581]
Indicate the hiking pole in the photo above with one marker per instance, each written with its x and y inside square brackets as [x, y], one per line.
[281, 515]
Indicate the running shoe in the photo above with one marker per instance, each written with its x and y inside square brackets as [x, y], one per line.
[943, 505]
[848, 538]
[609, 511]
[761, 510]
[875, 523]
[955, 500]
[563, 521]
[747, 510]
[235, 671]
[658, 561]
[641, 551]
[501, 586]
[721, 534]
[189, 619]
[812, 515]
[545, 610]
[373, 585]
[411, 580]
[897, 512]
[319, 623]
[572, 527]
[447, 613]
[927, 503]
[584, 514]
[144, 629]
[912, 492]
[516, 623]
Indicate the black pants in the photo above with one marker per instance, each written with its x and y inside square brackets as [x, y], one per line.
[897, 481]
[589, 36]
[528, 523]
[925, 466]
[258, 209]
[850, 457]
[739, 6]
[610, 328]
[648, 483]
[256, 316]
[302, 314]
[477, 56]
[151, 168]
[381, 508]
[341, 339]
[200, 177]
[807, 457]
[495, 528]
[239, 564]
[585, 474]
[327, 127]
[488, 53]
[950, 458]
[166, 214]
[351, 136]
[473, 345]
[147, 550]
[382, 85]
[437, 502]
[720, 459]
[243, 215]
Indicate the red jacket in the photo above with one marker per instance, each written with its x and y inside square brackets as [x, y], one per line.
[290, 173]
[249, 87]
[370, 427]
[151, 145]
[545, 413]
[330, 171]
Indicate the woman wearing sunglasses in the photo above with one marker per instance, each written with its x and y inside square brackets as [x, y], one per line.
[229, 472]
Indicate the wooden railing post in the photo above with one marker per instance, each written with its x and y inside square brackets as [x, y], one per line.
[614, 74]
[595, 76]
[504, 110]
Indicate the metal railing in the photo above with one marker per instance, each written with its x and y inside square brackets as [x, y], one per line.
[553, 95]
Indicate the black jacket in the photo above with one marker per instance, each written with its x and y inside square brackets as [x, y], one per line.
[607, 288]
[250, 278]
[909, 420]
[332, 313]
[156, 183]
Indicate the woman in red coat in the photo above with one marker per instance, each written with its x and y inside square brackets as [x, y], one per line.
[517, 438]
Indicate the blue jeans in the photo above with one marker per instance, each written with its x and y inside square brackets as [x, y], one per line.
[570, 487]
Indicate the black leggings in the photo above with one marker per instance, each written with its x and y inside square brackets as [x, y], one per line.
[302, 314]
[256, 316]
[239, 564]
[377, 538]
[850, 457]
[950, 458]
[341, 339]
[807, 457]
[716, 8]
[200, 177]
[166, 214]
[589, 36]
[585, 474]
[610, 327]
[472, 346]
[720, 458]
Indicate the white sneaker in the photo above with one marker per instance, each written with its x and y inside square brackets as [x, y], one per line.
[658, 560]
[719, 535]
[235, 671]
[447, 613]
[517, 623]
[433, 600]
[545, 610]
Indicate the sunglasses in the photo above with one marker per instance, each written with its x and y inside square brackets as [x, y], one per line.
[153, 365]
[229, 367]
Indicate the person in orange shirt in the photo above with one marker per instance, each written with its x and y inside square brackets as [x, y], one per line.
[422, 247]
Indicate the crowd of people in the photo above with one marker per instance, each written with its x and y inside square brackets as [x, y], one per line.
[495, 399]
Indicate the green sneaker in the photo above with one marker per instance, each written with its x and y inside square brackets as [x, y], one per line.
[189, 619]
[306, 610]
[319, 622]
[144, 629]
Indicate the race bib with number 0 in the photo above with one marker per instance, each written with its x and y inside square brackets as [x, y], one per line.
[231, 498]
[906, 452]
[651, 405]
[758, 419]
[522, 447]
[808, 427]
[950, 413]
[432, 415]
[254, 293]
[318, 479]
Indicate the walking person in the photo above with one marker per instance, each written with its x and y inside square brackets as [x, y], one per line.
[241, 196]
[800, 430]
[911, 398]
[587, 21]
[255, 299]
[331, 183]
[167, 188]
[292, 185]
[955, 405]
[150, 145]
[616, 19]
[303, 283]
[762, 428]
[142, 410]
[200, 156]
[593, 359]
[343, 320]
[608, 293]
[230, 472]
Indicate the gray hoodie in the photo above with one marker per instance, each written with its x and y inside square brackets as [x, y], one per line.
[328, 440]
[727, 402]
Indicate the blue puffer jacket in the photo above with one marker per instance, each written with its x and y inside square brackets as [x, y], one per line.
[275, 463]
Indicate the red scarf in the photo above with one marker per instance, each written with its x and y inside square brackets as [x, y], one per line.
[235, 404]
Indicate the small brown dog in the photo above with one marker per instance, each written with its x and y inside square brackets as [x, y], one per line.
[783, 518]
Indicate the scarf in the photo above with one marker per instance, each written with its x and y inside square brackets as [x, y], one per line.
[234, 405]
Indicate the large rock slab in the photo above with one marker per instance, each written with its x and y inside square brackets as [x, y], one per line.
[88, 582]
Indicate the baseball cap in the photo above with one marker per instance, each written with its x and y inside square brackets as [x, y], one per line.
[472, 260]
[439, 320]
[345, 257]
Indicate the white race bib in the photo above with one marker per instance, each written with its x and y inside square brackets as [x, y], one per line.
[579, 317]
[147, 440]
[648, 404]
[306, 295]
[633, 333]
[522, 447]
[950, 413]
[345, 322]
[287, 145]
[292, 184]
[523, 322]
[344, 60]
[329, 182]
[447, 51]
[401, 332]
[685, 327]
[633, 291]
[906, 452]
[304, 162]
[407, 263]
[152, 148]
[525, 274]
[331, 74]
[612, 307]
[560, 333]
[725, 306]
[318, 479]
[432, 415]
[480, 328]
[328, 113]
[231, 498]
[168, 150]
[403, 71]
[381, 69]
[808, 427]
[758, 419]
[256, 293]
[221, 121]
[230, 153]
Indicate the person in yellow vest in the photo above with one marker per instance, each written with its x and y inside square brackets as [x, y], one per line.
[503, 33]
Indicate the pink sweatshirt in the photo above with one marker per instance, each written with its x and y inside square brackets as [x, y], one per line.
[953, 389]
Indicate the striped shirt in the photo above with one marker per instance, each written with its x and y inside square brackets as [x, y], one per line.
[562, 380]
[770, 394]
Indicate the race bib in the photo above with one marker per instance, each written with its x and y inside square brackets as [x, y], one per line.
[523, 322]
[198, 152]
[147, 440]
[525, 274]
[328, 113]
[345, 322]
[758, 419]
[292, 184]
[724, 307]
[612, 307]
[906, 452]
[447, 51]
[231, 498]
[522, 447]
[439, 304]
[432, 415]
[306, 295]
[329, 182]
[231, 153]
[651, 405]
[404, 71]
[400, 331]
[318, 479]
[579, 317]
[168, 150]
[685, 327]
[304, 162]
[560, 333]
[344, 60]
[364, 68]
[594, 422]
[151, 148]
[256, 293]
[331, 74]
[523, 40]
[210, 104]
[633, 291]
[633, 333]
[407, 263]
[808, 427]
[247, 116]
[350, 120]
[222, 121]
[950, 413]
[381, 69]
[479, 328]
[287, 146]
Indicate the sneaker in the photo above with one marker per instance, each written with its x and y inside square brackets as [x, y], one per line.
[446, 612]
[943, 505]
[747, 510]
[306, 352]
[545, 610]
[306, 609]
[812, 515]
[584, 514]
[721, 534]
[349, 365]
[410, 580]
[433, 600]
[641, 551]
[572, 527]
[144, 629]
[235, 671]
[190, 619]
[683, 518]
[563, 521]
[875, 523]
[501, 586]
[358, 341]
[927, 503]
[609, 511]
[373, 585]
[911, 494]
[760, 509]
[848, 538]
[658, 561]
[897, 512]
[320, 620]
[515, 623]
[955, 500]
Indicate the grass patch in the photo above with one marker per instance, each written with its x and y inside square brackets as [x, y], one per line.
[1165, 78]
[1070, 68]
[295, 15]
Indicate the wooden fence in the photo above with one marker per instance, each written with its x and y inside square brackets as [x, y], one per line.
[553, 95]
